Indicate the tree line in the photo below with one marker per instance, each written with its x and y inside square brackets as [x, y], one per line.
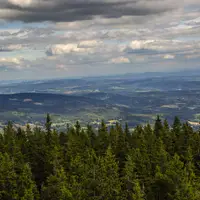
[149, 163]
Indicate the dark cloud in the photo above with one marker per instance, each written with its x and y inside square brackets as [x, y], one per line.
[68, 10]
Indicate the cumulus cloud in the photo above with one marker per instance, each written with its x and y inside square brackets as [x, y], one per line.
[142, 44]
[81, 47]
[91, 33]
[120, 60]
[60, 49]
[193, 22]
[10, 60]
[89, 44]
[160, 45]
[15, 63]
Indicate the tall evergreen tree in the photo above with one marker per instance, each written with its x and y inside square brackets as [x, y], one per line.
[131, 186]
[8, 178]
[48, 124]
[158, 127]
[56, 187]
[108, 182]
[102, 139]
[177, 126]
[26, 187]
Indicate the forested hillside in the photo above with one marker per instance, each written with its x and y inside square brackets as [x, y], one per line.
[159, 163]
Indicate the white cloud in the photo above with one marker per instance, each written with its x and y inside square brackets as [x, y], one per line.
[89, 44]
[141, 44]
[120, 60]
[161, 45]
[168, 56]
[10, 60]
[142, 39]
[86, 46]
[193, 22]
[21, 3]
[60, 49]
[13, 63]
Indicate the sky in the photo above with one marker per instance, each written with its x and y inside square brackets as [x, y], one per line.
[69, 38]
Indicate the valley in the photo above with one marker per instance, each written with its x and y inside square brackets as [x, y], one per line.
[135, 99]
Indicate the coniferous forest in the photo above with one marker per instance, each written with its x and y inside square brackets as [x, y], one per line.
[149, 163]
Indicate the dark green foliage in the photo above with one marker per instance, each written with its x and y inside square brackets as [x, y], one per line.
[158, 127]
[16, 184]
[48, 124]
[26, 187]
[131, 186]
[56, 187]
[8, 178]
[150, 163]
[108, 182]
[176, 126]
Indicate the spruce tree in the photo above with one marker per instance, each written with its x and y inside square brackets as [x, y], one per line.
[48, 124]
[176, 125]
[131, 186]
[26, 187]
[108, 182]
[8, 178]
[102, 139]
[158, 127]
[56, 187]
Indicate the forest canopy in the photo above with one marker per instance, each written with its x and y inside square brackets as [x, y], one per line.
[149, 163]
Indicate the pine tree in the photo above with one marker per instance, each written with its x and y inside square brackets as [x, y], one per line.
[151, 164]
[28, 130]
[36, 154]
[177, 129]
[131, 186]
[108, 182]
[127, 131]
[159, 156]
[92, 136]
[113, 138]
[91, 174]
[102, 139]
[176, 125]
[48, 124]
[26, 187]
[56, 187]
[143, 166]
[127, 136]
[138, 137]
[175, 182]
[63, 139]
[138, 194]
[8, 178]
[169, 138]
[158, 127]
[185, 139]
[121, 148]
[78, 128]
[82, 175]
[77, 178]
